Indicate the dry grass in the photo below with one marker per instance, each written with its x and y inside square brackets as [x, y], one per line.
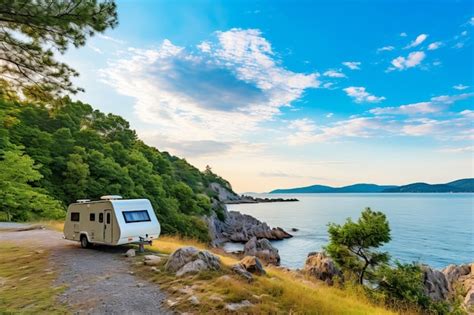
[278, 292]
[26, 282]
[52, 224]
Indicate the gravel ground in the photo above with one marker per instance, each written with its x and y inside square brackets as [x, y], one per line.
[98, 280]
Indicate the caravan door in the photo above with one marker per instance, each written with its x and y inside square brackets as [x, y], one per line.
[108, 226]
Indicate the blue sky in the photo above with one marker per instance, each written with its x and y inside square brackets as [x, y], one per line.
[287, 93]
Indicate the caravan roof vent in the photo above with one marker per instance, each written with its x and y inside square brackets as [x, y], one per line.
[83, 200]
[111, 197]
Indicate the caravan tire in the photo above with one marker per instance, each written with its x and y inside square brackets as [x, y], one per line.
[84, 242]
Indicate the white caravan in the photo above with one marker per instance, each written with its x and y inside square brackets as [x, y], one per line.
[111, 221]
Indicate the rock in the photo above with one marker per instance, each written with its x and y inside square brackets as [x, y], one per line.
[237, 306]
[181, 257]
[252, 265]
[461, 279]
[436, 285]
[194, 266]
[140, 285]
[216, 298]
[262, 249]
[154, 269]
[172, 303]
[241, 271]
[194, 300]
[468, 302]
[152, 260]
[130, 253]
[190, 260]
[321, 267]
[454, 272]
[294, 230]
[39, 251]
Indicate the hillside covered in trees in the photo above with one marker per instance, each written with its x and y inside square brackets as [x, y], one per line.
[56, 152]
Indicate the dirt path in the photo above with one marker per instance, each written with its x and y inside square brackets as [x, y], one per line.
[98, 280]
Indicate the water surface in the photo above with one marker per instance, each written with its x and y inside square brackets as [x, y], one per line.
[437, 229]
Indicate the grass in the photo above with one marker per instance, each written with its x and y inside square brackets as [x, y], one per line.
[27, 282]
[278, 292]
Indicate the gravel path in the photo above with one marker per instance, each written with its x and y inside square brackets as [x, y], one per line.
[98, 280]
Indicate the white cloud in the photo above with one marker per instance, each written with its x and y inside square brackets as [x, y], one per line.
[214, 95]
[332, 73]
[460, 87]
[464, 33]
[386, 48]
[459, 45]
[471, 21]
[403, 34]
[328, 85]
[417, 41]
[434, 46]
[111, 39]
[353, 65]
[204, 47]
[360, 95]
[466, 149]
[329, 115]
[412, 60]
[96, 49]
[434, 105]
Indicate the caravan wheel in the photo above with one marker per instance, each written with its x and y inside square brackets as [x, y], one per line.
[84, 242]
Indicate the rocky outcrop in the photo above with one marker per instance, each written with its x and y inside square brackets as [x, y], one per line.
[436, 286]
[262, 249]
[191, 260]
[242, 227]
[321, 267]
[461, 280]
[247, 266]
[223, 193]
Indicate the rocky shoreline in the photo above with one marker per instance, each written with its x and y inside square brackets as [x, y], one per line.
[250, 199]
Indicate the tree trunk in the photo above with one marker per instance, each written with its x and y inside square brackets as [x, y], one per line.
[361, 276]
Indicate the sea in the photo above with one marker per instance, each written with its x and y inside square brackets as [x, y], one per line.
[430, 228]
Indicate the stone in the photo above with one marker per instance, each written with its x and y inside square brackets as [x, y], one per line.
[241, 271]
[172, 303]
[216, 298]
[130, 253]
[294, 230]
[262, 249]
[152, 260]
[194, 300]
[140, 285]
[154, 269]
[435, 283]
[237, 306]
[454, 272]
[322, 267]
[252, 265]
[190, 260]
[181, 257]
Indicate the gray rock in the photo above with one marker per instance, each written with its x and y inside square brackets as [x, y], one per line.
[321, 267]
[190, 260]
[262, 249]
[237, 306]
[454, 272]
[194, 300]
[252, 264]
[436, 285]
[181, 257]
[130, 253]
[241, 271]
[152, 260]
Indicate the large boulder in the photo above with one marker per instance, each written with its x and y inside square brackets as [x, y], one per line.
[262, 249]
[461, 279]
[321, 267]
[435, 283]
[191, 260]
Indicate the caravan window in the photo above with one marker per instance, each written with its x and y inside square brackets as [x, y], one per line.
[75, 216]
[136, 216]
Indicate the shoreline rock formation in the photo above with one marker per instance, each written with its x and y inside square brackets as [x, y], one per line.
[263, 250]
[321, 267]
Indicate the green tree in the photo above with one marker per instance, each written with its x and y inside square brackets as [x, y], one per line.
[44, 25]
[17, 198]
[353, 245]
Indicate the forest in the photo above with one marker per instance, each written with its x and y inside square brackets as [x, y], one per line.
[56, 152]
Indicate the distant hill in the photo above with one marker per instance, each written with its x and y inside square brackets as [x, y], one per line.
[461, 185]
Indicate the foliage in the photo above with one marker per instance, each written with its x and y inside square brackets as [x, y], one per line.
[68, 151]
[352, 245]
[29, 32]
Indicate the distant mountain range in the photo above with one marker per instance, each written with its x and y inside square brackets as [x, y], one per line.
[457, 186]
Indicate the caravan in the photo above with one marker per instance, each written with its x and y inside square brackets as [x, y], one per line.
[111, 221]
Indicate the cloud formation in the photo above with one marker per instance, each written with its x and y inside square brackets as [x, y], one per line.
[412, 60]
[353, 65]
[224, 88]
[332, 73]
[360, 95]
[385, 48]
[434, 46]
[417, 41]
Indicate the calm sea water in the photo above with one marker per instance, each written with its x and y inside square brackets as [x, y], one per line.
[437, 229]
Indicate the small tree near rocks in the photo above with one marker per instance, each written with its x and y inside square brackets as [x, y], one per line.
[353, 245]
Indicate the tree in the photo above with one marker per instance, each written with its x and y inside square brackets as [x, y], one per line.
[352, 245]
[28, 60]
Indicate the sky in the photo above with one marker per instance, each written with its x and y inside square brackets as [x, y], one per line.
[277, 94]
